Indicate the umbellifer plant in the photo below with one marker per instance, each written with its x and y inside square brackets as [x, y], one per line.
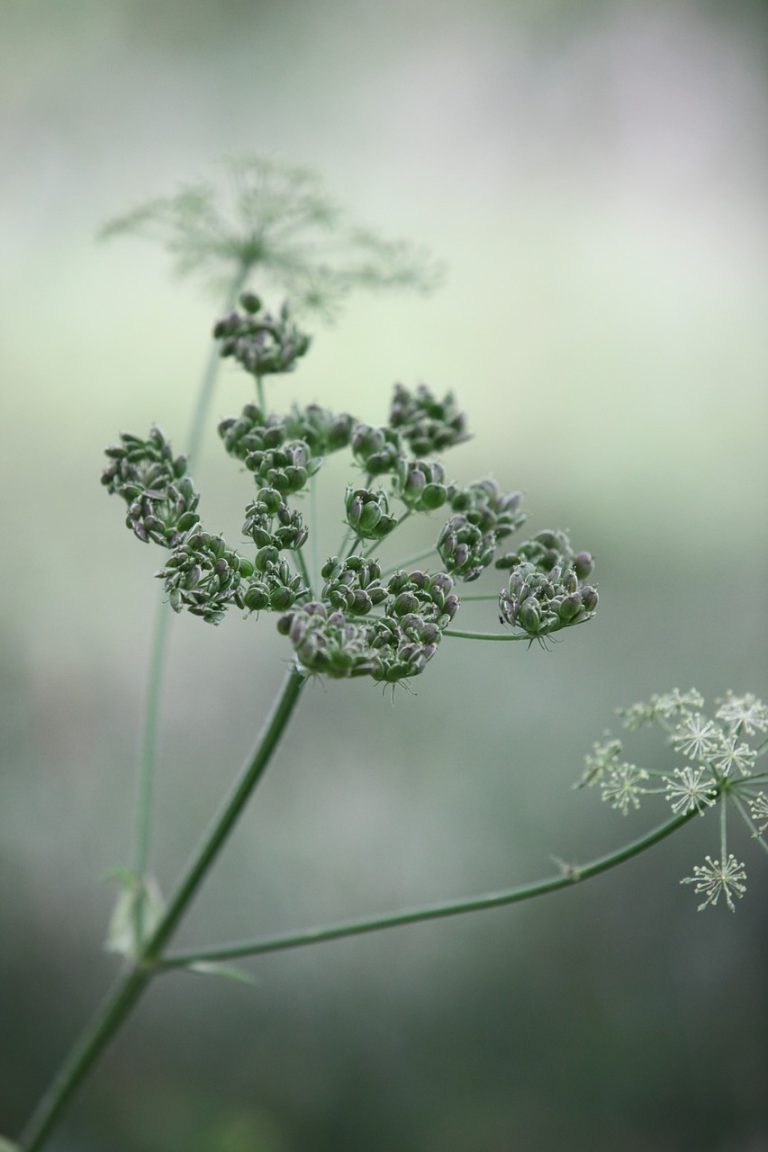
[344, 612]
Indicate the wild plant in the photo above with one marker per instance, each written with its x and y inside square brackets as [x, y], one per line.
[343, 608]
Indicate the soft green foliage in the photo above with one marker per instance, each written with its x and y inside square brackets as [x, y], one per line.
[277, 220]
[349, 620]
[716, 757]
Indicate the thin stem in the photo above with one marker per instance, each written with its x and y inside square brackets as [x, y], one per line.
[130, 986]
[146, 774]
[750, 823]
[222, 825]
[117, 1005]
[478, 598]
[313, 532]
[159, 643]
[302, 564]
[350, 551]
[377, 543]
[723, 827]
[260, 395]
[483, 635]
[208, 383]
[407, 562]
[569, 876]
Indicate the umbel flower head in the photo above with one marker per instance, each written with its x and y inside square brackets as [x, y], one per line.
[712, 763]
[278, 221]
[359, 613]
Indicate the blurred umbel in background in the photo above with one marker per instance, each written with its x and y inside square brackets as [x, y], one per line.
[593, 175]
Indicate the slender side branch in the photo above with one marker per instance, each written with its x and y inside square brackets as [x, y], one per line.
[483, 635]
[408, 561]
[565, 879]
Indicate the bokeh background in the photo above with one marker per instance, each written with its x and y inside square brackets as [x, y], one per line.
[594, 176]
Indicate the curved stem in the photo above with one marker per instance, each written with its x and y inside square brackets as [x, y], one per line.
[130, 986]
[569, 876]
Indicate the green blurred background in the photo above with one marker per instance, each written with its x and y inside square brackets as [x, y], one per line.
[594, 175]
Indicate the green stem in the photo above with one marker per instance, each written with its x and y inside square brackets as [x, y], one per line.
[302, 565]
[146, 775]
[159, 644]
[313, 533]
[129, 987]
[477, 597]
[565, 879]
[410, 560]
[483, 635]
[208, 383]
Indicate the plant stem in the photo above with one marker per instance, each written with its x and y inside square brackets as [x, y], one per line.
[304, 571]
[569, 876]
[313, 532]
[407, 562]
[131, 985]
[483, 635]
[208, 383]
[146, 774]
[159, 643]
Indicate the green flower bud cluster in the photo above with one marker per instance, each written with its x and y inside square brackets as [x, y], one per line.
[548, 550]
[271, 523]
[429, 425]
[275, 587]
[263, 344]
[484, 515]
[540, 603]
[162, 501]
[263, 446]
[251, 432]
[421, 485]
[395, 646]
[352, 622]
[204, 576]
[287, 468]
[377, 450]
[464, 549]
[353, 585]
[420, 607]
[490, 509]
[323, 431]
[326, 643]
[430, 596]
[368, 513]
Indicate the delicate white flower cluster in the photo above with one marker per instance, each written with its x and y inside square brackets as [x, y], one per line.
[721, 767]
[716, 878]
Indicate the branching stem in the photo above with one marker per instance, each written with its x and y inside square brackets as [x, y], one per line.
[569, 876]
[130, 986]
